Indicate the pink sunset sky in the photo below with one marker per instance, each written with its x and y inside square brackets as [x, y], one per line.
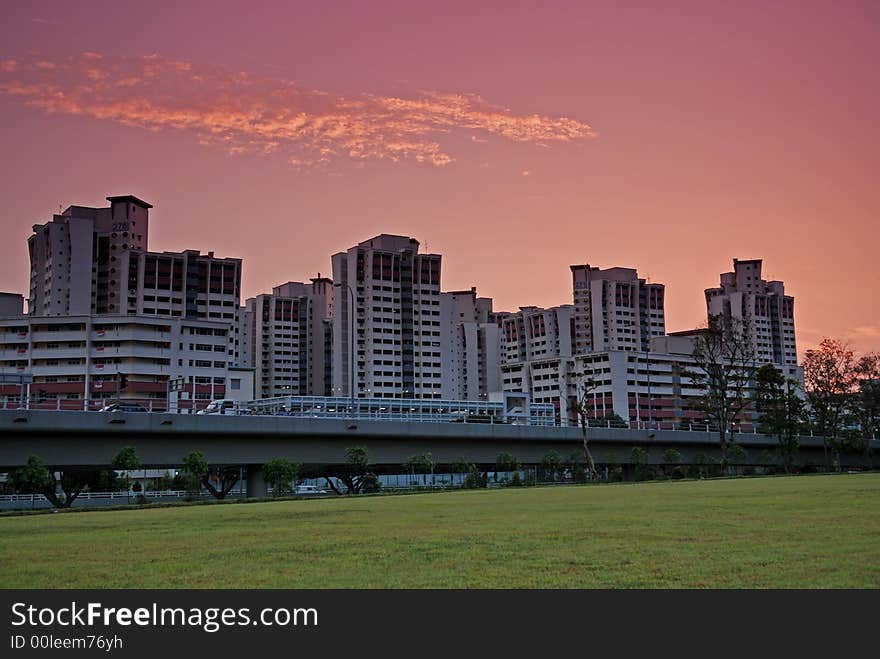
[513, 138]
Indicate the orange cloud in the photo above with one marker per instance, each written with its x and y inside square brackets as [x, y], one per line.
[867, 331]
[248, 114]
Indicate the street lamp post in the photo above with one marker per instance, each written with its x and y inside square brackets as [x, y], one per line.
[351, 360]
[650, 405]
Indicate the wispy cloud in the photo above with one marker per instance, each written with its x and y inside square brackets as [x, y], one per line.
[866, 331]
[250, 114]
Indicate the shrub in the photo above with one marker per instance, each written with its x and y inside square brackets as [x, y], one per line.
[475, 479]
[371, 483]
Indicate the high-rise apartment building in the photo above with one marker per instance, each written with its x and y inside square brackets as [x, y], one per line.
[615, 310]
[80, 260]
[95, 261]
[388, 300]
[472, 350]
[762, 305]
[536, 333]
[288, 334]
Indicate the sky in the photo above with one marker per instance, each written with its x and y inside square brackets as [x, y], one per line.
[513, 138]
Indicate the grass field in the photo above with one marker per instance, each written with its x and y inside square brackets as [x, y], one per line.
[808, 531]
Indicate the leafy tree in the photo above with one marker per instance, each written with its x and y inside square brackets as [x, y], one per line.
[612, 419]
[460, 466]
[698, 468]
[201, 474]
[830, 379]
[782, 411]
[279, 474]
[736, 454]
[37, 478]
[421, 464]
[371, 484]
[195, 469]
[671, 460]
[867, 403]
[355, 473]
[506, 462]
[551, 465]
[34, 478]
[671, 456]
[125, 461]
[639, 458]
[576, 465]
[724, 354]
[475, 479]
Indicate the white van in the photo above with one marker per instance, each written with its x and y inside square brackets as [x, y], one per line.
[224, 406]
[310, 489]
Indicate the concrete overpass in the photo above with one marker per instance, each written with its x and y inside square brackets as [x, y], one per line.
[67, 439]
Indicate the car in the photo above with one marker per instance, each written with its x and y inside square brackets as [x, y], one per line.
[124, 407]
[310, 489]
[225, 406]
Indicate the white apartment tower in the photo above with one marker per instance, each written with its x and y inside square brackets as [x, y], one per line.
[763, 304]
[536, 333]
[472, 349]
[288, 333]
[80, 260]
[395, 320]
[615, 310]
[89, 261]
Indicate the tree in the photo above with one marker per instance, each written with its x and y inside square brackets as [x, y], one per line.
[37, 478]
[671, 460]
[125, 461]
[639, 458]
[699, 468]
[34, 478]
[201, 474]
[475, 479]
[279, 474]
[195, 468]
[421, 464]
[506, 462]
[576, 466]
[583, 408]
[355, 473]
[781, 409]
[551, 464]
[612, 420]
[460, 466]
[724, 354]
[867, 401]
[671, 456]
[830, 379]
[737, 454]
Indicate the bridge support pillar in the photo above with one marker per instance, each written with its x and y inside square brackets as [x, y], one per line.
[256, 484]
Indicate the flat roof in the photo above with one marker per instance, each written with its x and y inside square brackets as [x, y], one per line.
[690, 332]
[130, 198]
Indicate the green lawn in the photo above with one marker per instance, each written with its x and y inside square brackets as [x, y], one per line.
[808, 531]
